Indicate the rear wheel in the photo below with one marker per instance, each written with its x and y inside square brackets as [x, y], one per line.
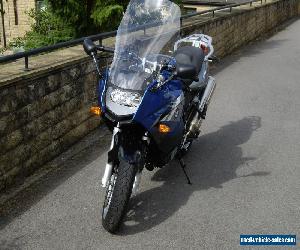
[117, 196]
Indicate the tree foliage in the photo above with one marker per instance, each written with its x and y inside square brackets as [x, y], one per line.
[107, 18]
[47, 29]
[90, 16]
[63, 20]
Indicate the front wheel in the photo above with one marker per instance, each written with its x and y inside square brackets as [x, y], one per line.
[117, 196]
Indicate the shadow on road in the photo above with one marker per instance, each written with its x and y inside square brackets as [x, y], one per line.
[217, 156]
[61, 169]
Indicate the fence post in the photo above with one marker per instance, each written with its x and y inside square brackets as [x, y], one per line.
[26, 64]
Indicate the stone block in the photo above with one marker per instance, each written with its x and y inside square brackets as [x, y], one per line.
[10, 141]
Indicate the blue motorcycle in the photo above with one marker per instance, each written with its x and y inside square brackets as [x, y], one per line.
[153, 99]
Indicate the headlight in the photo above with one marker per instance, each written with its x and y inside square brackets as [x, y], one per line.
[130, 99]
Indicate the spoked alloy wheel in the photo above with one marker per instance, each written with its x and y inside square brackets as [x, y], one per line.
[109, 193]
[117, 196]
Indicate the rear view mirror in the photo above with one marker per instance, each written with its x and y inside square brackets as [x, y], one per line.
[89, 46]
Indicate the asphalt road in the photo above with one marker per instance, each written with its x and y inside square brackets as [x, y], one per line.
[244, 169]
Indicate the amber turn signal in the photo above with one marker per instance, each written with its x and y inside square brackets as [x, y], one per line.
[162, 128]
[96, 111]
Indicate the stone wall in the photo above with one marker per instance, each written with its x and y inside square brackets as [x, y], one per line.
[241, 27]
[43, 112]
[42, 115]
[13, 30]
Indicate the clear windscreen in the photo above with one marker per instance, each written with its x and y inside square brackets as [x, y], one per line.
[146, 29]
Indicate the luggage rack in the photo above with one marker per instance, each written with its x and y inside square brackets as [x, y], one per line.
[197, 40]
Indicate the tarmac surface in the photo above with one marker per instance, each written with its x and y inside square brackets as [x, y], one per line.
[244, 168]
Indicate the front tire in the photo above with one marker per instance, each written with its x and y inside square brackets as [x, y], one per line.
[117, 196]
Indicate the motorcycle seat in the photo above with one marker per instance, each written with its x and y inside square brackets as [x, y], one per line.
[189, 55]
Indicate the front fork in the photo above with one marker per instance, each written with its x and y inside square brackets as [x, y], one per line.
[110, 163]
[138, 177]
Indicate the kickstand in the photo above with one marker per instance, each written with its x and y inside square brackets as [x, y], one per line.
[182, 165]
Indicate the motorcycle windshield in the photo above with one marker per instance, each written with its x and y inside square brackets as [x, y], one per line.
[145, 30]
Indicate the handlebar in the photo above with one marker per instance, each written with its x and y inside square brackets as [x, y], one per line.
[105, 49]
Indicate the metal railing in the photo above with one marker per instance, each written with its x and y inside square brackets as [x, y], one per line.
[102, 36]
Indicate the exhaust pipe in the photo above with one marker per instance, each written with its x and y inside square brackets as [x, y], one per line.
[209, 91]
[196, 123]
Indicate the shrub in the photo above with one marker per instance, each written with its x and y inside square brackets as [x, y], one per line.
[17, 42]
[2, 50]
[47, 29]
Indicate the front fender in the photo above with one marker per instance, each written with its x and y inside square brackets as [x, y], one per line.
[128, 146]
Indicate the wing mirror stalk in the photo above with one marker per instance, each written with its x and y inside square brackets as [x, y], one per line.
[91, 49]
[96, 62]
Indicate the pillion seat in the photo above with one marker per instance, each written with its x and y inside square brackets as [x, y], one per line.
[190, 55]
